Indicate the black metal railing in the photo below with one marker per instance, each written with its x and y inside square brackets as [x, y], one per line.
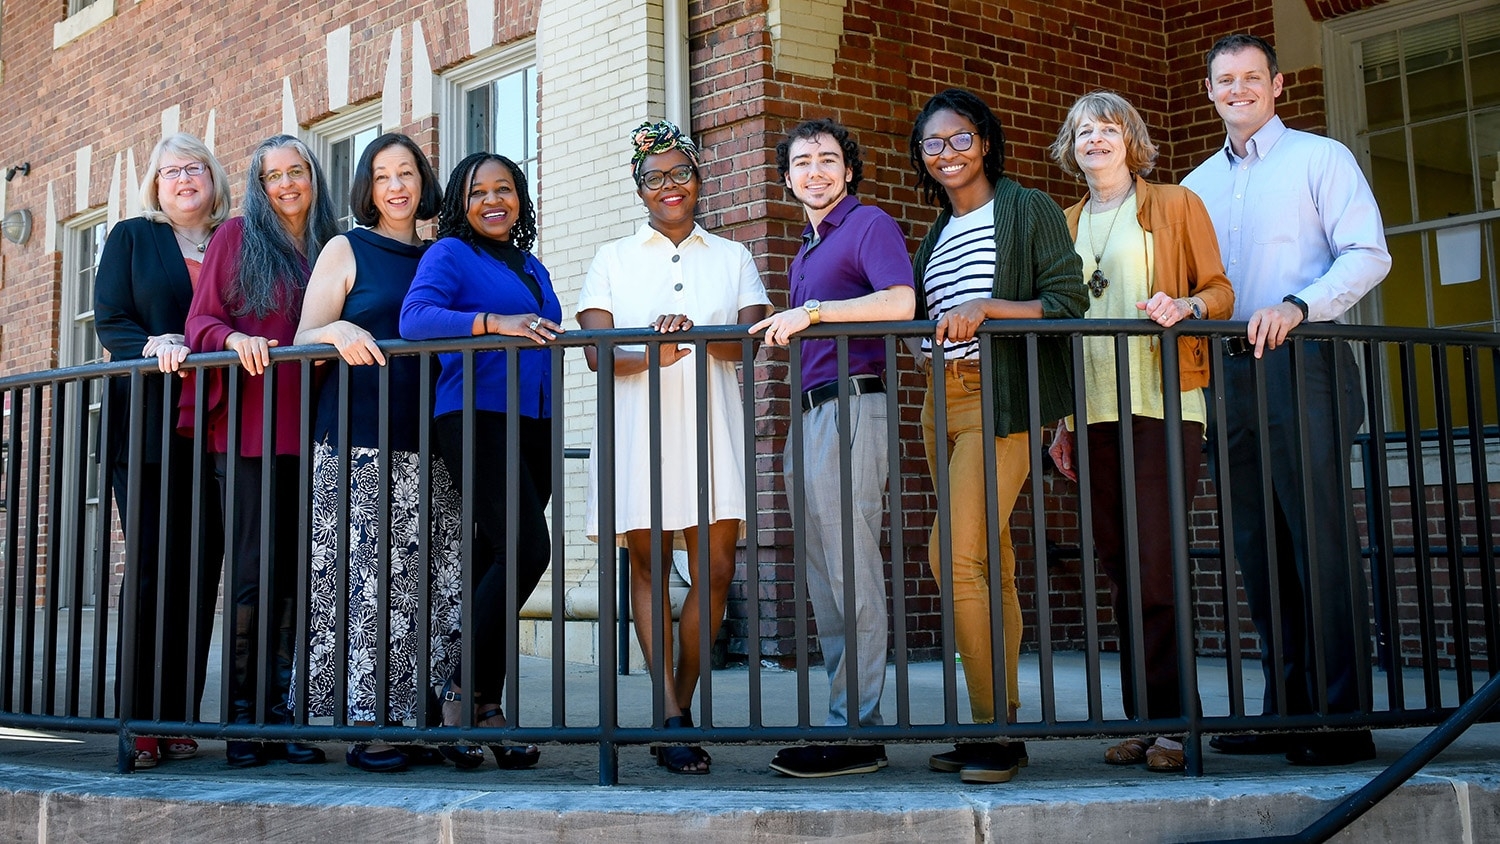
[1428, 400]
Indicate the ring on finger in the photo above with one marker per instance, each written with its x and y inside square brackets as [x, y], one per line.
[534, 323]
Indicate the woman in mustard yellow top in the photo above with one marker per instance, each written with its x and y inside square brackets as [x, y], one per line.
[1148, 252]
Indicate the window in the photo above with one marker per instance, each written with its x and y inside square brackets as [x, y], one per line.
[494, 99]
[1421, 108]
[338, 142]
[83, 15]
[78, 344]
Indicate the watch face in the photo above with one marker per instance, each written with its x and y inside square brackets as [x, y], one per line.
[812, 305]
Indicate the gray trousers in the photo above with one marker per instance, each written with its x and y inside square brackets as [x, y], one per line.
[826, 567]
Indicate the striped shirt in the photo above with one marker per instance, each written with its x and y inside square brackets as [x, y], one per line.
[962, 268]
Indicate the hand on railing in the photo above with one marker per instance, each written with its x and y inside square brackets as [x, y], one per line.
[1061, 452]
[170, 350]
[356, 345]
[1269, 326]
[254, 352]
[538, 328]
[1164, 310]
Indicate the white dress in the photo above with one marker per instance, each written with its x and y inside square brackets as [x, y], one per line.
[637, 279]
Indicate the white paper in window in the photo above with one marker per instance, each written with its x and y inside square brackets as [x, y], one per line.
[1458, 255]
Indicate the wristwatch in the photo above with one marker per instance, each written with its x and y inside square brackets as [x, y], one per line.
[1195, 308]
[812, 306]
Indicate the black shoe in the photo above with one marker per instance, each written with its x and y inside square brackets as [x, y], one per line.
[297, 753]
[832, 761]
[954, 760]
[385, 761]
[1252, 745]
[420, 754]
[992, 763]
[1325, 749]
[244, 754]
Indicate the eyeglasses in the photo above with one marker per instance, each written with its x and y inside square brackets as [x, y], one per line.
[656, 179]
[174, 173]
[295, 174]
[961, 142]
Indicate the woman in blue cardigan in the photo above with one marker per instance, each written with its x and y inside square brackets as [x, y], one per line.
[481, 278]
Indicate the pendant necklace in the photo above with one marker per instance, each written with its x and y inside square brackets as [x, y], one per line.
[193, 243]
[1098, 281]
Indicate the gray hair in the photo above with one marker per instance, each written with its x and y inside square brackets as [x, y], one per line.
[187, 146]
[271, 270]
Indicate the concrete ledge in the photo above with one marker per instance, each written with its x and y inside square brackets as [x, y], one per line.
[38, 805]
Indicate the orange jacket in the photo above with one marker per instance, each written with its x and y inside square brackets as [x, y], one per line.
[1187, 262]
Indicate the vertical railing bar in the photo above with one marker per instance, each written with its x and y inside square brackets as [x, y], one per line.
[752, 532]
[1273, 562]
[999, 650]
[559, 558]
[897, 509]
[609, 697]
[798, 453]
[13, 459]
[1422, 539]
[1377, 513]
[1457, 592]
[660, 618]
[1483, 524]
[343, 546]
[383, 548]
[1130, 547]
[56, 463]
[513, 422]
[1228, 559]
[80, 557]
[1089, 574]
[852, 679]
[1038, 528]
[1179, 499]
[703, 576]
[33, 539]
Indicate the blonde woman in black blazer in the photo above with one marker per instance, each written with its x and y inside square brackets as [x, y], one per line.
[142, 290]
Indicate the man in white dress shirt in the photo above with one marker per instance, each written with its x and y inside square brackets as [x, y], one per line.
[1302, 240]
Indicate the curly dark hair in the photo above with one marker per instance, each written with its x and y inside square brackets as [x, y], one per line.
[970, 107]
[362, 191]
[810, 129]
[453, 219]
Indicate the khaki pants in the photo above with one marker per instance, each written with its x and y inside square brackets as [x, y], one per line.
[970, 522]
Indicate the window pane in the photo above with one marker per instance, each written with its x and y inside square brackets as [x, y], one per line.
[340, 175]
[1458, 299]
[510, 117]
[1482, 32]
[1434, 69]
[1445, 175]
[1382, 68]
[1403, 294]
[1389, 177]
[477, 120]
[1487, 142]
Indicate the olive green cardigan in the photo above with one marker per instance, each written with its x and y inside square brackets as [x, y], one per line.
[1034, 259]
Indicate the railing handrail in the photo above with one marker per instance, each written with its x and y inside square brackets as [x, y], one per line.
[578, 338]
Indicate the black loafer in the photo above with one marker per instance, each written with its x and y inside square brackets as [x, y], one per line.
[244, 754]
[1252, 745]
[1329, 749]
[298, 753]
[384, 761]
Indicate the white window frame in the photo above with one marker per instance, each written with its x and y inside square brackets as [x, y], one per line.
[453, 88]
[83, 15]
[323, 137]
[1343, 84]
[74, 315]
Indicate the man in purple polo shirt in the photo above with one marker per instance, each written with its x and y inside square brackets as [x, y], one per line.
[853, 267]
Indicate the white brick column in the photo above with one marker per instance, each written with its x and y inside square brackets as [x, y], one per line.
[600, 75]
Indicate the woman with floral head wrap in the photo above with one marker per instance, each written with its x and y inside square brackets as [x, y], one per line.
[671, 275]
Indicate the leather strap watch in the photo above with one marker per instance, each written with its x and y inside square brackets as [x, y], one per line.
[812, 307]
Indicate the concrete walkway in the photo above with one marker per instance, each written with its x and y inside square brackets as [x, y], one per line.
[62, 787]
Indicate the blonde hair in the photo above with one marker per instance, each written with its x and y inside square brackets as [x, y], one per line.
[1106, 107]
[187, 146]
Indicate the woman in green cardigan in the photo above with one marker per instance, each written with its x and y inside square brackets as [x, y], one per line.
[997, 251]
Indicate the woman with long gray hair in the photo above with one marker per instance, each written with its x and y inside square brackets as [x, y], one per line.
[249, 300]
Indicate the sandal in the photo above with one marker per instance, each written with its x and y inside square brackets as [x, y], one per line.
[147, 753]
[681, 758]
[1165, 760]
[465, 757]
[1131, 751]
[178, 748]
[510, 757]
